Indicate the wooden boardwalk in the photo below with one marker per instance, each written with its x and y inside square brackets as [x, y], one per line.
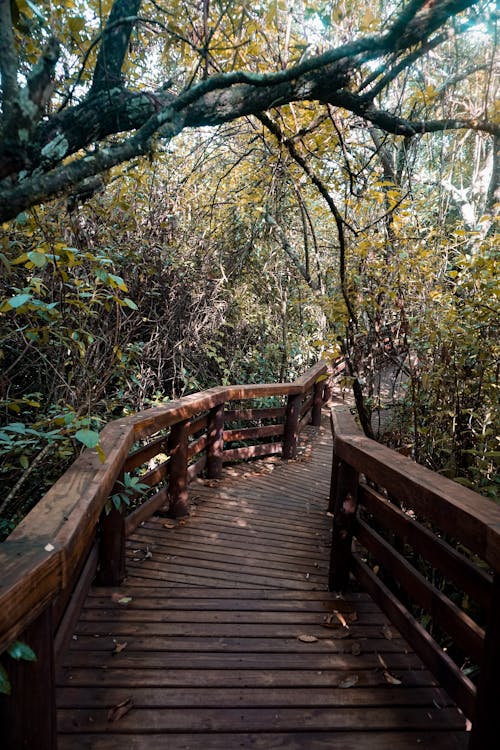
[224, 635]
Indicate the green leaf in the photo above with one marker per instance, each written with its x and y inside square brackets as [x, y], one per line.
[17, 427]
[19, 300]
[118, 281]
[21, 651]
[5, 687]
[90, 438]
[38, 259]
[130, 304]
[24, 462]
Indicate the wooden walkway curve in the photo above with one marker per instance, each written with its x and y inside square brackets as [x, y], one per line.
[224, 634]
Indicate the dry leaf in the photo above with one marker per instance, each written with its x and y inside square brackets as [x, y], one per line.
[307, 638]
[391, 679]
[169, 525]
[352, 616]
[348, 682]
[356, 648]
[121, 599]
[120, 710]
[334, 620]
[119, 647]
[381, 660]
[387, 633]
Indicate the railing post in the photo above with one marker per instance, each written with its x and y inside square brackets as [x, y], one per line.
[486, 722]
[344, 517]
[215, 445]
[112, 558]
[28, 714]
[291, 433]
[317, 403]
[177, 483]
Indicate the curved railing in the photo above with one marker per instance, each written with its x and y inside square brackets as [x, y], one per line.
[47, 563]
[424, 541]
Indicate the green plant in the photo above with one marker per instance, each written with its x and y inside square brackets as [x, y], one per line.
[18, 651]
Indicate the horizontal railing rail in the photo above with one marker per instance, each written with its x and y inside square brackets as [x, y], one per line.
[428, 551]
[77, 530]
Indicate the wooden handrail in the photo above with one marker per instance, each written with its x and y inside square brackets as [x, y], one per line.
[41, 555]
[386, 502]
[58, 547]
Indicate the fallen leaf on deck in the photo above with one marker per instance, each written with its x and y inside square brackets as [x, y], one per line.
[387, 633]
[334, 620]
[169, 525]
[119, 647]
[391, 679]
[382, 662]
[120, 710]
[307, 638]
[356, 648]
[348, 682]
[120, 599]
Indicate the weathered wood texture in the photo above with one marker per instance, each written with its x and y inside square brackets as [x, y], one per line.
[217, 638]
[55, 536]
[401, 528]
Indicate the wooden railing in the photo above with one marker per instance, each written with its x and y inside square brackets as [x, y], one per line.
[49, 561]
[420, 544]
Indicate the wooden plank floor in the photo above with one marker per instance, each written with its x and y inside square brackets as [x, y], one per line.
[218, 637]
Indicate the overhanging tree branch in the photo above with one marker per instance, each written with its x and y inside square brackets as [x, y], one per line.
[110, 109]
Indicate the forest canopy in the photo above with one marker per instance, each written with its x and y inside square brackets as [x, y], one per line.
[200, 192]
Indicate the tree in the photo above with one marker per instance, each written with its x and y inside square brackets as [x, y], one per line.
[83, 104]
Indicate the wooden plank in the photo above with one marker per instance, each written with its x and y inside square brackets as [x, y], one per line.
[469, 577]
[196, 468]
[198, 541]
[399, 740]
[253, 433]
[145, 453]
[145, 511]
[257, 629]
[251, 451]
[196, 446]
[291, 431]
[466, 633]
[307, 404]
[78, 595]
[197, 424]
[230, 679]
[177, 485]
[264, 719]
[216, 643]
[385, 695]
[246, 415]
[228, 554]
[247, 660]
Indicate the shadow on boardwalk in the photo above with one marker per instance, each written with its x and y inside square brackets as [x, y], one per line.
[224, 634]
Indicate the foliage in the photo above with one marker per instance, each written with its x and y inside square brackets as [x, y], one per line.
[351, 208]
[19, 651]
